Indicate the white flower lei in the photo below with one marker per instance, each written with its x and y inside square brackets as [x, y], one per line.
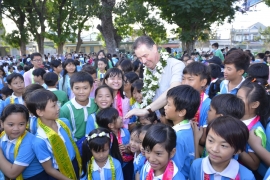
[150, 80]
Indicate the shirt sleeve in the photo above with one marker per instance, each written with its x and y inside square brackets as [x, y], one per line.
[177, 71]
[126, 108]
[41, 150]
[27, 78]
[25, 155]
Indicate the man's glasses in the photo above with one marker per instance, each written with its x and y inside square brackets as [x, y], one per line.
[37, 60]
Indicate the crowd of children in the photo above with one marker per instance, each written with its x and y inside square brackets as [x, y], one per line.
[73, 125]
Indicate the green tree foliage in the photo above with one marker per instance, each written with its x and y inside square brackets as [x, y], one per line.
[265, 36]
[267, 2]
[136, 12]
[15, 10]
[194, 16]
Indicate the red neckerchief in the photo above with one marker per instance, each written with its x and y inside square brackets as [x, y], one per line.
[197, 115]
[167, 175]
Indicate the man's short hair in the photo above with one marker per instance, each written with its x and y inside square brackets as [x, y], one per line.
[146, 40]
[215, 45]
[35, 54]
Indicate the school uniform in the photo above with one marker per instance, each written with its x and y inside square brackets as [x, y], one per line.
[225, 84]
[43, 148]
[66, 86]
[202, 167]
[262, 167]
[33, 125]
[267, 175]
[125, 109]
[91, 124]
[61, 95]
[17, 100]
[177, 175]
[105, 172]
[185, 151]
[78, 116]
[26, 156]
[138, 162]
[204, 110]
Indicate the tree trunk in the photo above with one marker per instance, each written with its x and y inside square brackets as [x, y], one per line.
[190, 46]
[40, 43]
[106, 28]
[117, 38]
[60, 48]
[23, 47]
[79, 40]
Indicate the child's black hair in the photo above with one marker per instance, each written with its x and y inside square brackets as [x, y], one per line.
[105, 61]
[214, 87]
[50, 78]
[10, 67]
[131, 77]
[38, 99]
[126, 66]
[14, 108]
[258, 70]
[19, 68]
[55, 63]
[138, 84]
[30, 88]
[232, 130]
[136, 129]
[198, 69]
[185, 97]
[3, 71]
[14, 76]
[104, 86]
[152, 117]
[256, 92]
[97, 144]
[89, 69]
[6, 91]
[136, 64]
[81, 77]
[112, 72]
[66, 62]
[39, 72]
[106, 116]
[228, 104]
[145, 128]
[160, 134]
[239, 59]
[26, 68]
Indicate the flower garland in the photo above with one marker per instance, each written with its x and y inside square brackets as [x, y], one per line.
[151, 80]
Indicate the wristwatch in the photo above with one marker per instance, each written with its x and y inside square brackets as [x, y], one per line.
[148, 108]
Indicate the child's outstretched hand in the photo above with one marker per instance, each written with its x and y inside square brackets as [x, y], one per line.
[254, 140]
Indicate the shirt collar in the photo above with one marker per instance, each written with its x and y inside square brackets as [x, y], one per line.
[179, 126]
[226, 82]
[5, 139]
[78, 106]
[13, 95]
[52, 89]
[106, 166]
[230, 171]
[41, 133]
[248, 121]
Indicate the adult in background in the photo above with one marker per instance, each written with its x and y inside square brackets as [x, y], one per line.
[37, 61]
[168, 71]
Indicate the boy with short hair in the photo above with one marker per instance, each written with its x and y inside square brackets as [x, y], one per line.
[16, 83]
[93, 72]
[54, 146]
[51, 80]
[57, 67]
[236, 64]
[20, 69]
[182, 104]
[79, 109]
[38, 76]
[217, 52]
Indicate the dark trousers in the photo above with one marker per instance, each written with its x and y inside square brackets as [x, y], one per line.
[128, 171]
